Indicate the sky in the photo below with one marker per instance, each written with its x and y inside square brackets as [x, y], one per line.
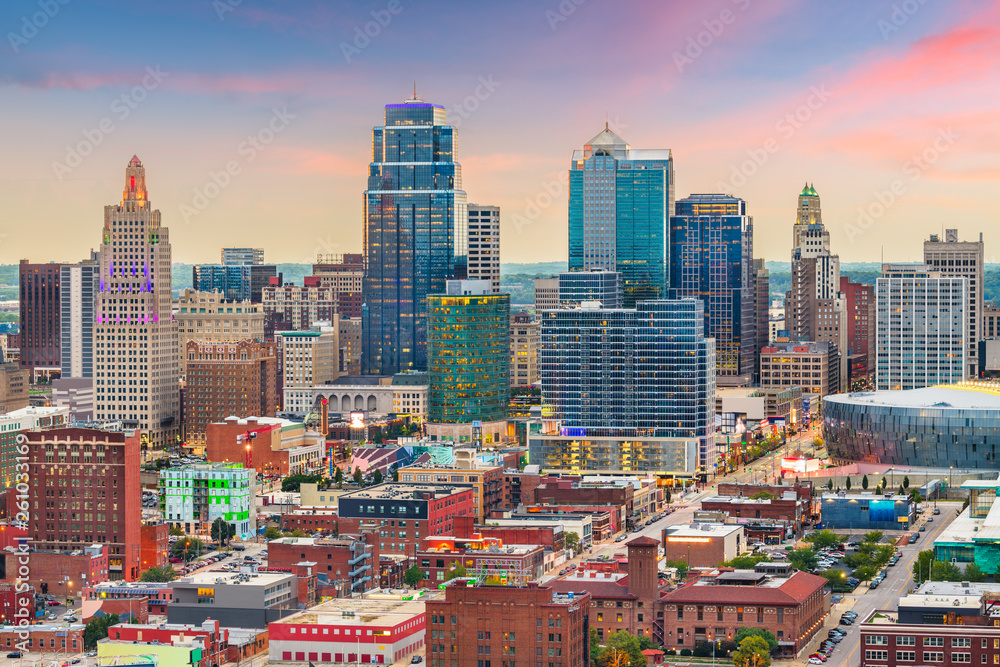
[253, 117]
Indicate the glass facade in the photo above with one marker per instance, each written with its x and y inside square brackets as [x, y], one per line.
[923, 427]
[711, 242]
[613, 455]
[468, 358]
[575, 287]
[237, 282]
[620, 200]
[647, 373]
[415, 233]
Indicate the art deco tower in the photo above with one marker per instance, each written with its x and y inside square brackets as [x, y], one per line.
[135, 339]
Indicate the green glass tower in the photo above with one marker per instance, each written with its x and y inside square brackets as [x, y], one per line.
[468, 353]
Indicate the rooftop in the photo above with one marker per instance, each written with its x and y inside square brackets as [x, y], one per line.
[951, 594]
[965, 395]
[397, 491]
[232, 578]
[701, 530]
[771, 590]
[383, 610]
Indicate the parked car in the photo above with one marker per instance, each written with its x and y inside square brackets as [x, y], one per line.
[239, 547]
[818, 655]
[14, 654]
[416, 660]
[929, 519]
[815, 661]
[937, 511]
[922, 528]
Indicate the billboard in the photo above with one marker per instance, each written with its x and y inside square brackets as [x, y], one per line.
[357, 419]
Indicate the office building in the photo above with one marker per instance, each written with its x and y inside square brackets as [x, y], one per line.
[207, 317]
[40, 303]
[860, 328]
[237, 599]
[309, 358]
[103, 468]
[192, 497]
[761, 308]
[525, 336]
[620, 201]
[547, 627]
[814, 367]
[711, 259]
[344, 274]
[236, 282]
[486, 480]
[624, 379]
[951, 257]
[468, 348]
[815, 308]
[415, 232]
[866, 512]
[546, 294]
[135, 337]
[15, 383]
[242, 256]
[600, 285]
[991, 321]
[353, 559]
[228, 379]
[950, 623]
[16, 422]
[289, 307]
[921, 327]
[349, 341]
[484, 244]
[79, 285]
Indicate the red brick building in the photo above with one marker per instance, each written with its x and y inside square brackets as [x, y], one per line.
[41, 345]
[792, 511]
[804, 489]
[507, 625]
[551, 537]
[49, 638]
[226, 379]
[439, 556]
[311, 521]
[272, 455]
[965, 640]
[155, 595]
[860, 326]
[354, 558]
[153, 545]
[405, 513]
[87, 481]
[215, 639]
[519, 488]
[11, 600]
[789, 603]
[62, 574]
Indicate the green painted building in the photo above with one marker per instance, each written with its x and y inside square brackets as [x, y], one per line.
[193, 497]
[468, 354]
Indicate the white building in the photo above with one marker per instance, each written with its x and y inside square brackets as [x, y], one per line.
[921, 327]
[194, 496]
[135, 338]
[484, 244]
[309, 358]
[952, 257]
[79, 285]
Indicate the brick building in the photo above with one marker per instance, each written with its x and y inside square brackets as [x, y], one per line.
[353, 558]
[703, 544]
[59, 574]
[14, 384]
[49, 638]
[228, 379]
[516, 624]
[803, 489]
[405, 513]
[311, 521]
[207, 317]
[860, 326]
[519, 488]
[291, 307]
[487, 481]
[154, 595]
[551, 537]
[344, 274]
[13, 600]
[788, 603]
[788, 508]
[214, 639]
[87, 481]
[439, 556]
[40, 316]
[278, 446]
[153, 545]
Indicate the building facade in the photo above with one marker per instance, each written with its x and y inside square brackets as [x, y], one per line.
[487, 483]
[711, 246]
[79, 285]
[951, 257]
[468, 348]
[415, 234]
[309, 358]
[815, 367]
[761, 307]
[207, 317]
[228, 379]
[484, 244]
[525, 337]
[601, 285]
[921, 327]
[345, 275]
[620, 202]
[40, 303]
[349, 341]
[234, 279]
[15, 383]
[135, 337]
[546, 294]
[193, 497]
[860, 325]
[289, 307]
[102, 469]
[627, 374]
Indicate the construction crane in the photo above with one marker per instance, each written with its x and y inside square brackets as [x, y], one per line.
[246, 437]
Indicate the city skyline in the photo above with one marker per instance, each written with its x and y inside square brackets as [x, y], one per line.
[873, 86]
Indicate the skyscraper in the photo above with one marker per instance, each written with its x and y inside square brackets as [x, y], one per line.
[620, 201]
[962, 258]
[761, 307]
[575, 287]
[711, 245]
[40, 316]
[484, 244]
[815, 308]
[415, 232]
[135, 338]
[80, 284]
[922, 324]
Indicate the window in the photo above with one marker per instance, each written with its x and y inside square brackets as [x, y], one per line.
[961, 657]
[877, 640]
[680, 613]
[908, 641]
[906, 656]
[760, 614]
[879, 656]
[961, 642]
[933, 656]
[781, 614]
[936, 641]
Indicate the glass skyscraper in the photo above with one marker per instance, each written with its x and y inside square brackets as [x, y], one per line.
[575, 287]
[415, 233]
[620, 201]
[640, 375]
[711, 241]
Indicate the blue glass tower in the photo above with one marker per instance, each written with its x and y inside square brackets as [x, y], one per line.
[415, 234]
[711, 242]
[620, 202]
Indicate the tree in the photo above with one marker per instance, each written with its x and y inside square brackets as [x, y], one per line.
[377, 476]
[906, 482]
[395, 475]
[942, 571]
[835, 577]
[902, 491]
[865, 572]
[159, 574]
[622, 650]
[222, 530]
[922, 565]
[176, 530]
[916, 497]
[359, 479]
[823, 539]
[763, 495]
[829, 484]
[666, 499]
[97, 629]
[187, 548]
[973, 574]
[883, 554]
[413, 576]
[803, 559]
[456, 572]
[885, 484]
[873, 536]
[747, 561]
[680, 565]
[338, 477]
[292, 483]
[752, 652]
[817, 441]
[572, 541]
[271, 533]
[768, 636]
[848, 483]
[864, 482]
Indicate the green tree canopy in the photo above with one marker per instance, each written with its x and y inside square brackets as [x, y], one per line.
[906, 482]
[292, 483]
[763, 495]
[175, 530]
[974, 574]
[160, 574]
[848, 484]
[413, 576]
[222, 530]
[272, 533]
[458, 572]
[803, 559]
[747, 561]
[187, 548]
[864, 482]
[752, 652]
[572, 540]
[865, 572]
[359, 479]
[823, 539]
[97, 629]
[873, 536]
[377, 476]
[768, 636]
[338, 477]
[922, 566]
[682, 568]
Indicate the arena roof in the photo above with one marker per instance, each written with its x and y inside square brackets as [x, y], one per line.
[966, 395]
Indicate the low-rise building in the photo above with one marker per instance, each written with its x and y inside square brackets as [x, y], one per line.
[887, 640]
[153, 545]
[790, 604]
[56, 572]
[192, 497]
[277, 446]
[439, 557]
[155, 595]
[787, 508]
[311, 521]
[581, 524]
[379, 628]
[147, 639]
[866, 511]
[45, 638]
[486, 480]
[240, 599]
[353, 559]
[702, 544]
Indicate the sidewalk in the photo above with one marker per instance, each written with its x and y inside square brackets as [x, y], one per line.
[832, 621]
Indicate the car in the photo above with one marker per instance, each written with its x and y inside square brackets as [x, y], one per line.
[937, 511]
[846, 620]
[818, 655]
[874, 584]
[922, 528]
[14, 654]
[913, 538]
[416, 660]
[69, 619]
[90, 654]
[75, 661]
[929, 519]
[621, 538]
[852, 614]
[563, 571]
[52, 603]
[239, 547]
[815, 661]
